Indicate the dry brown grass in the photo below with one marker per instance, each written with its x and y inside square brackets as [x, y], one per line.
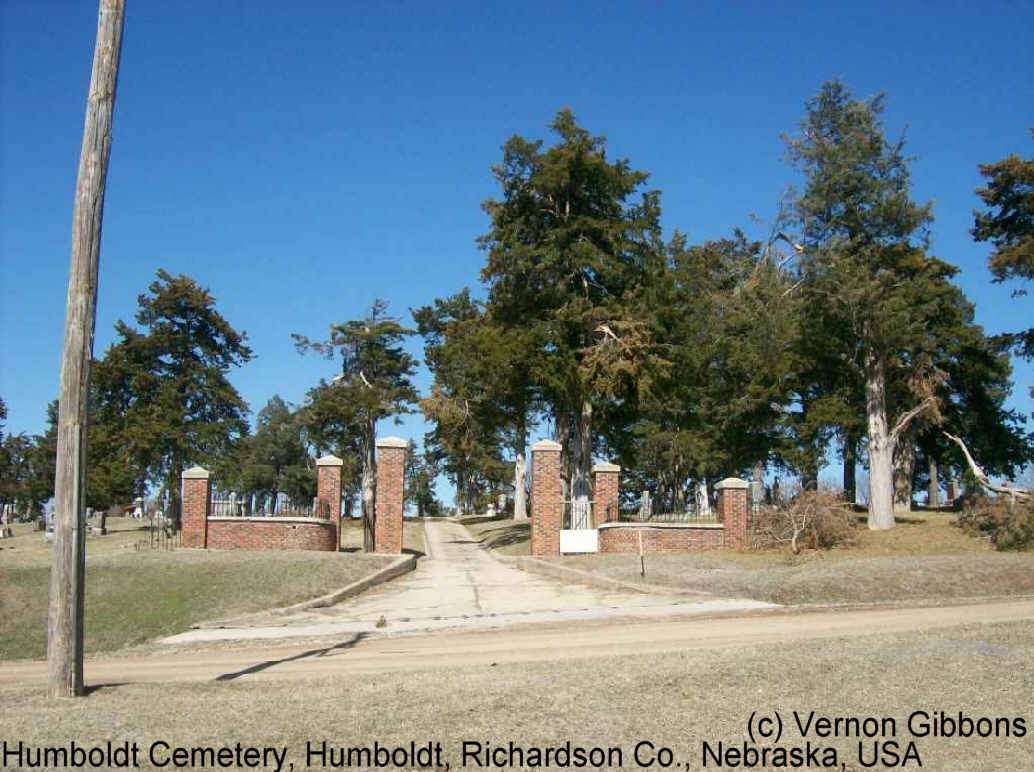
[501, 534]
[925, 557]
[412, 535]
[676, 700]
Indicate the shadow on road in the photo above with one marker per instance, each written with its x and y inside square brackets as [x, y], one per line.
[89, 689]
[304, 655]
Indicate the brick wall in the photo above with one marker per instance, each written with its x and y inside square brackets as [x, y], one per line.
[547, 498]
[194, 498]
[606, 492]
[734, 511]
[391, 477]
[271, 533]
[657, 537]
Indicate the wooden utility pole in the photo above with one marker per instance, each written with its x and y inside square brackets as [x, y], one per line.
[68, 574]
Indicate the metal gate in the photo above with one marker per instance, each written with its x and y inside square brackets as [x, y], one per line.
[579, 534]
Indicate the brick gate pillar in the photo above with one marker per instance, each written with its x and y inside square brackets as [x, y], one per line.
[547, 498]
[606, 492]
[391, 476]
[195, 501]
[328, 492]
[733, 511]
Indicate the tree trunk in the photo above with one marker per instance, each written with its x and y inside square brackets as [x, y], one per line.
[678, 483]
[881, 447]
[563, 436]
[581, 462]
[172, 485]
[520, 482]
[810, 477]
[520, 470]
[850, 463]
[65, 620]
[933, 499]
[809, 467]
[369, 483]
[904, 470]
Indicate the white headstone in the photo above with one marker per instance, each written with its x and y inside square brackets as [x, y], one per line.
[703, 500]
[645, 506]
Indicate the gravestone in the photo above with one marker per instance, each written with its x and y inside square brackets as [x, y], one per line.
[757, 495]
[645, 506]
[703, 500]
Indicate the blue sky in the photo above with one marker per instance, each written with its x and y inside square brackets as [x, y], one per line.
[301, 159]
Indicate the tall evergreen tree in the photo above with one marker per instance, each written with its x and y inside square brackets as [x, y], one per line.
[869, 282]
[374, 384]
[567, 242]
[1008, 223]
[724, 322]
[166, 389]
[479, 401]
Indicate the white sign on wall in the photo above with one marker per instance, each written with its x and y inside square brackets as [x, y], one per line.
[579, 540]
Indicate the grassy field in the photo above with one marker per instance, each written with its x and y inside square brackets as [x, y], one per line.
[926, 557]
[675, 700]
[133, 596]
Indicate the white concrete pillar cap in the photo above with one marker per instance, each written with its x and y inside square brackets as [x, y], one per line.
[734, 483]
[195, 473]
[329, 460]
[547, 446]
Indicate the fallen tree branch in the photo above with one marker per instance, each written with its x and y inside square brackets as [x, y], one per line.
[982, 477]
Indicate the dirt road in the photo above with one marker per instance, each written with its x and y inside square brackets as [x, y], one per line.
[362, 652]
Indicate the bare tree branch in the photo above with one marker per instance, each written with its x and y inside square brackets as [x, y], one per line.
[982, 477]
[929, 402]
